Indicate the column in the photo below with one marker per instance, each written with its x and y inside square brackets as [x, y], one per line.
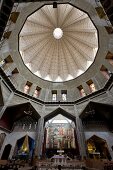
[6, 104]
[39, 138]
[22, 84]
[96, 83]
[86, 88]
[80, 134]
[32, 89]
[47, 94]
[1, 94]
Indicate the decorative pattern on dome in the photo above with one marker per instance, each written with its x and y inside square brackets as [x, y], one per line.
[58, 44]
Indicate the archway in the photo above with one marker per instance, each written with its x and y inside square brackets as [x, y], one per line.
[60, 135]
[24, 148]
[98, 148]
[6, 152]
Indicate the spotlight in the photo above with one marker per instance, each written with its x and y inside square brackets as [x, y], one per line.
[54, 4]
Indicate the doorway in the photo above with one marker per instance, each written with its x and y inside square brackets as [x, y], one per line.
[6, 152]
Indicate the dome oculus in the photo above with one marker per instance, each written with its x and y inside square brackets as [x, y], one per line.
[55, 47]
[57, 33]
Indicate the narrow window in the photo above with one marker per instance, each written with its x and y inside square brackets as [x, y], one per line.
[81, 91]
[37, 92]
[91, 86]
[54, 95]
[27, 87]
[100, 11]
[15, 73]
[105, 72]
[2, 63]
[109, 57]
[64, 95]
[7, 61]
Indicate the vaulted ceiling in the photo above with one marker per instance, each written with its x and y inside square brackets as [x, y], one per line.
[58, 55]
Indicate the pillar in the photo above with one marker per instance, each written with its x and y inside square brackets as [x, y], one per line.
[32, 89]
[6, 104]
[86, 88]
[96, 83]
[39, 138]
[80, 135]
[1, 94]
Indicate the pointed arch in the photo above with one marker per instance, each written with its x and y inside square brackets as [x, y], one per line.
[59, 111]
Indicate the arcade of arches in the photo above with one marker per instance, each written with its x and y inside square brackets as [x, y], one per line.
[56, 83]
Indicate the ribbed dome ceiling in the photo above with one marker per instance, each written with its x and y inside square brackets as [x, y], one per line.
[61, 54]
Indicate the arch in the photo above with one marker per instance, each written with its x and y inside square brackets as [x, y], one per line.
[59, 111]
[55, 134]
[98, 148]
[6, 152]
[21, 110]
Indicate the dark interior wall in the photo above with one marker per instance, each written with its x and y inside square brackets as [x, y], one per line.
[98, 126]
[17, 112]
[108, 7]
[6, 122]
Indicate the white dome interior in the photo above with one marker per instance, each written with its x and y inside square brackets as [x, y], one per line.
[58, 44]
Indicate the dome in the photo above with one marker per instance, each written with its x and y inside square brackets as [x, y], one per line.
[58, 44]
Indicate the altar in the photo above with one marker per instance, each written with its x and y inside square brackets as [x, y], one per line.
[60, 159]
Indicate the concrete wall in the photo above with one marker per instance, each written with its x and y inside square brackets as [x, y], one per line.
[105, 44]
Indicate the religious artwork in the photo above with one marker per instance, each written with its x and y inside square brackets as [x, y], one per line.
[60, 136]
[24, 147]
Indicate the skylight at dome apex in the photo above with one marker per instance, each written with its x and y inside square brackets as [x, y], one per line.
[58, 44]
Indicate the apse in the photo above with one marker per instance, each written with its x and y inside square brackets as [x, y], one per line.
[60, 135]
[24, 148]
